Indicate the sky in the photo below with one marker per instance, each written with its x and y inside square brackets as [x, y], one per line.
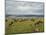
[24, 8]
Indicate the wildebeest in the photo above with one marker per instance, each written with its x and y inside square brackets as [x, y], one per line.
[38, 22]
[11, 23]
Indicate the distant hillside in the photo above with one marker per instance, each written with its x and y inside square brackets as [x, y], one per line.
[25, 15]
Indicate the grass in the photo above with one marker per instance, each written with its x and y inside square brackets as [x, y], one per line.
[24, 25]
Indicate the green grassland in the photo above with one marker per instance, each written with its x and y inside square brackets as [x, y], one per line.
[24, 25]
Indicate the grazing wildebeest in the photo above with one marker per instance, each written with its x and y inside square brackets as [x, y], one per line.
[11, 23]
[38, 22]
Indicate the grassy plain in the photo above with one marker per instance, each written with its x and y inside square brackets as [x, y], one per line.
[24, 25]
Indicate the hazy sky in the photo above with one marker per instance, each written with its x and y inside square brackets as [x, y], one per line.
[24, 8]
